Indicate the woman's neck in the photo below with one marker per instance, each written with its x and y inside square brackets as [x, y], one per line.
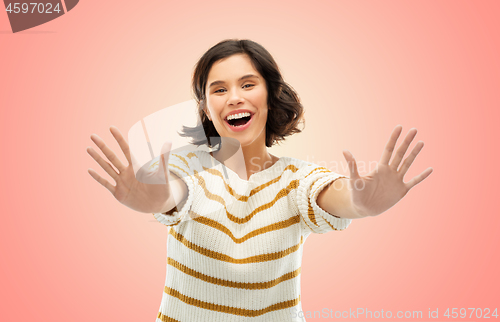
[246, 160]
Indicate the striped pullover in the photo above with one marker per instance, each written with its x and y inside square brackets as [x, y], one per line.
[234, 247]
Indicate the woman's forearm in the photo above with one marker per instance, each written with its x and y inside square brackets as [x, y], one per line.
[335, 199]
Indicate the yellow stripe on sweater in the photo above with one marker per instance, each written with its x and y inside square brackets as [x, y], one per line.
[227, 283]
[255, 190]
[165, 318]
[282, 193]
[273, 227]
[223, 257]
[230, 309]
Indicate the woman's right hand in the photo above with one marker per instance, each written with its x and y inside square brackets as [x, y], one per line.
[139, 196]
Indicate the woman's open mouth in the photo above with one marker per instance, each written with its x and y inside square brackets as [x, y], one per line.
[239, 122]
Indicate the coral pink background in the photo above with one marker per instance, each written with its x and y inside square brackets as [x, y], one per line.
[71, 252]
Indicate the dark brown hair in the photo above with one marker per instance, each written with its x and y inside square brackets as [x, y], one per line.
[285, 111]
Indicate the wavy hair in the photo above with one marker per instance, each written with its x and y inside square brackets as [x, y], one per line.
[285, 110]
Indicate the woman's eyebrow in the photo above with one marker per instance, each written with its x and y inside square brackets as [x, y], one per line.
[241, 78]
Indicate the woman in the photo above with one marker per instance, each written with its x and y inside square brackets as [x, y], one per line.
[235, 240]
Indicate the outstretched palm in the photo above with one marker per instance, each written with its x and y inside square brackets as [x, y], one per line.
[384, 187]
[137, 195]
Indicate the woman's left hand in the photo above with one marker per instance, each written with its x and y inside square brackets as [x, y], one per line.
[382, 188]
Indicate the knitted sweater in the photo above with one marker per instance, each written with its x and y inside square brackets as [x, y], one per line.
[234, 249]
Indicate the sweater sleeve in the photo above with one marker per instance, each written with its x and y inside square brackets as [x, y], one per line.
[182, 165]
[313, 218]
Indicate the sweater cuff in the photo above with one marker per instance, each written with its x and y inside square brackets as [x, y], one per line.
[334, 222]
[181, 166]
[314, 218]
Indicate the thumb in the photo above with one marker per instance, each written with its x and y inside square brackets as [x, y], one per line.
[165, 154]
[351, 162]
[166, 147]
[135, 164]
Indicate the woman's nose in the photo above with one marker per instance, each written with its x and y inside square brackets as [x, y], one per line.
[235, 97]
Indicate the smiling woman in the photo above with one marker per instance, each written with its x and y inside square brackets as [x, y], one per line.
[235, 242]
[256, 68]
[232, 95]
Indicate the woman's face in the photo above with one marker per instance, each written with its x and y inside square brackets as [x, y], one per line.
[236, 89]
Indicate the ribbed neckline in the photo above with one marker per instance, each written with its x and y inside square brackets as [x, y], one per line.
[253, 178]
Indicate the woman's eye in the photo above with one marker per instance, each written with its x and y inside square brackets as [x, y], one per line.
[219, 90]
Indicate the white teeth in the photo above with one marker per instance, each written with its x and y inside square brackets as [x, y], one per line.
[238, 116]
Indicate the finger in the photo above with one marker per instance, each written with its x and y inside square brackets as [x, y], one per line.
[417, 179]
[108, 152]
[102, 181]
[409, 160]
[105, 165]
[165, 149]
[389, 147]
[165, 168]
[158, 172]
[402, 149]
[135, 163]
[122, 142]
[351, 162]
